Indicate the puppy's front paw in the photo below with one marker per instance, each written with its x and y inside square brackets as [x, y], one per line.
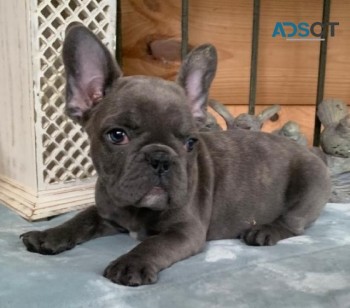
[48, 242]
[263, 235]
[131, 271]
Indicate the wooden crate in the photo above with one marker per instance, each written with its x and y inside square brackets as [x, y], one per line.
[45, 168]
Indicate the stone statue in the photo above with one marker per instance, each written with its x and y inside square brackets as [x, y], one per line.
[335, 142]
[289, 130]
[335, 118]
[220, 109]
[255, 122]
[243, 121]
[292, 131]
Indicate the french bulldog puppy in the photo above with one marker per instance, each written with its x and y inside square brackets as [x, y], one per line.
[163, 180]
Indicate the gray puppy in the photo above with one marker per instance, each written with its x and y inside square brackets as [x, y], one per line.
[165, 182]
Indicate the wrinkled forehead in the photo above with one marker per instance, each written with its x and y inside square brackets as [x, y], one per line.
[148, 101]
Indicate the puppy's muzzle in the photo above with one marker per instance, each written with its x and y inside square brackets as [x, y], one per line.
[159, 161]
[159, 157]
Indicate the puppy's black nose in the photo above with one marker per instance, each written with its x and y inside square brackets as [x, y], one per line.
[160, 161]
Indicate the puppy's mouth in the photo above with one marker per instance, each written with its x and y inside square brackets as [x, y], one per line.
[156, 199]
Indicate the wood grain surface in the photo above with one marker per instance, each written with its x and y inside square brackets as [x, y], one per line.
[287, 71]
[17, 137]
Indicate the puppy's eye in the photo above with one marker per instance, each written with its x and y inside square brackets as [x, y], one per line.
[117, 136]
[190, 142]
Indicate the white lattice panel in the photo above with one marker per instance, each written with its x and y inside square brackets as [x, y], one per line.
[62, 148]
[45, 168]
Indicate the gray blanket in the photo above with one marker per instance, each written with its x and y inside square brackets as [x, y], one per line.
[312, 270]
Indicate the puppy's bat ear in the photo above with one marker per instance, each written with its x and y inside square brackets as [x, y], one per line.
[195, 76]
[90, 70]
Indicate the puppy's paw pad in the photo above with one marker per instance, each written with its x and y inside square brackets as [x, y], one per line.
[33, 240]
[264, 235]
[44, 242]
[133, 272]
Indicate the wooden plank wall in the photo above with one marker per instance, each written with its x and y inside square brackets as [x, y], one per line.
[287, 71]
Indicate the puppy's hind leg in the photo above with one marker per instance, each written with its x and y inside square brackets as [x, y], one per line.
[306, 196]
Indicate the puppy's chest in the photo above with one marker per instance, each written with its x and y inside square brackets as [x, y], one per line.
[139, 235]
[140, 224]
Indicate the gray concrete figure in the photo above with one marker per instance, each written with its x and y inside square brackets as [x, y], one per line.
[335, 137]
[255, 122]
[244, 120]
[291, 130]
[335, 142]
